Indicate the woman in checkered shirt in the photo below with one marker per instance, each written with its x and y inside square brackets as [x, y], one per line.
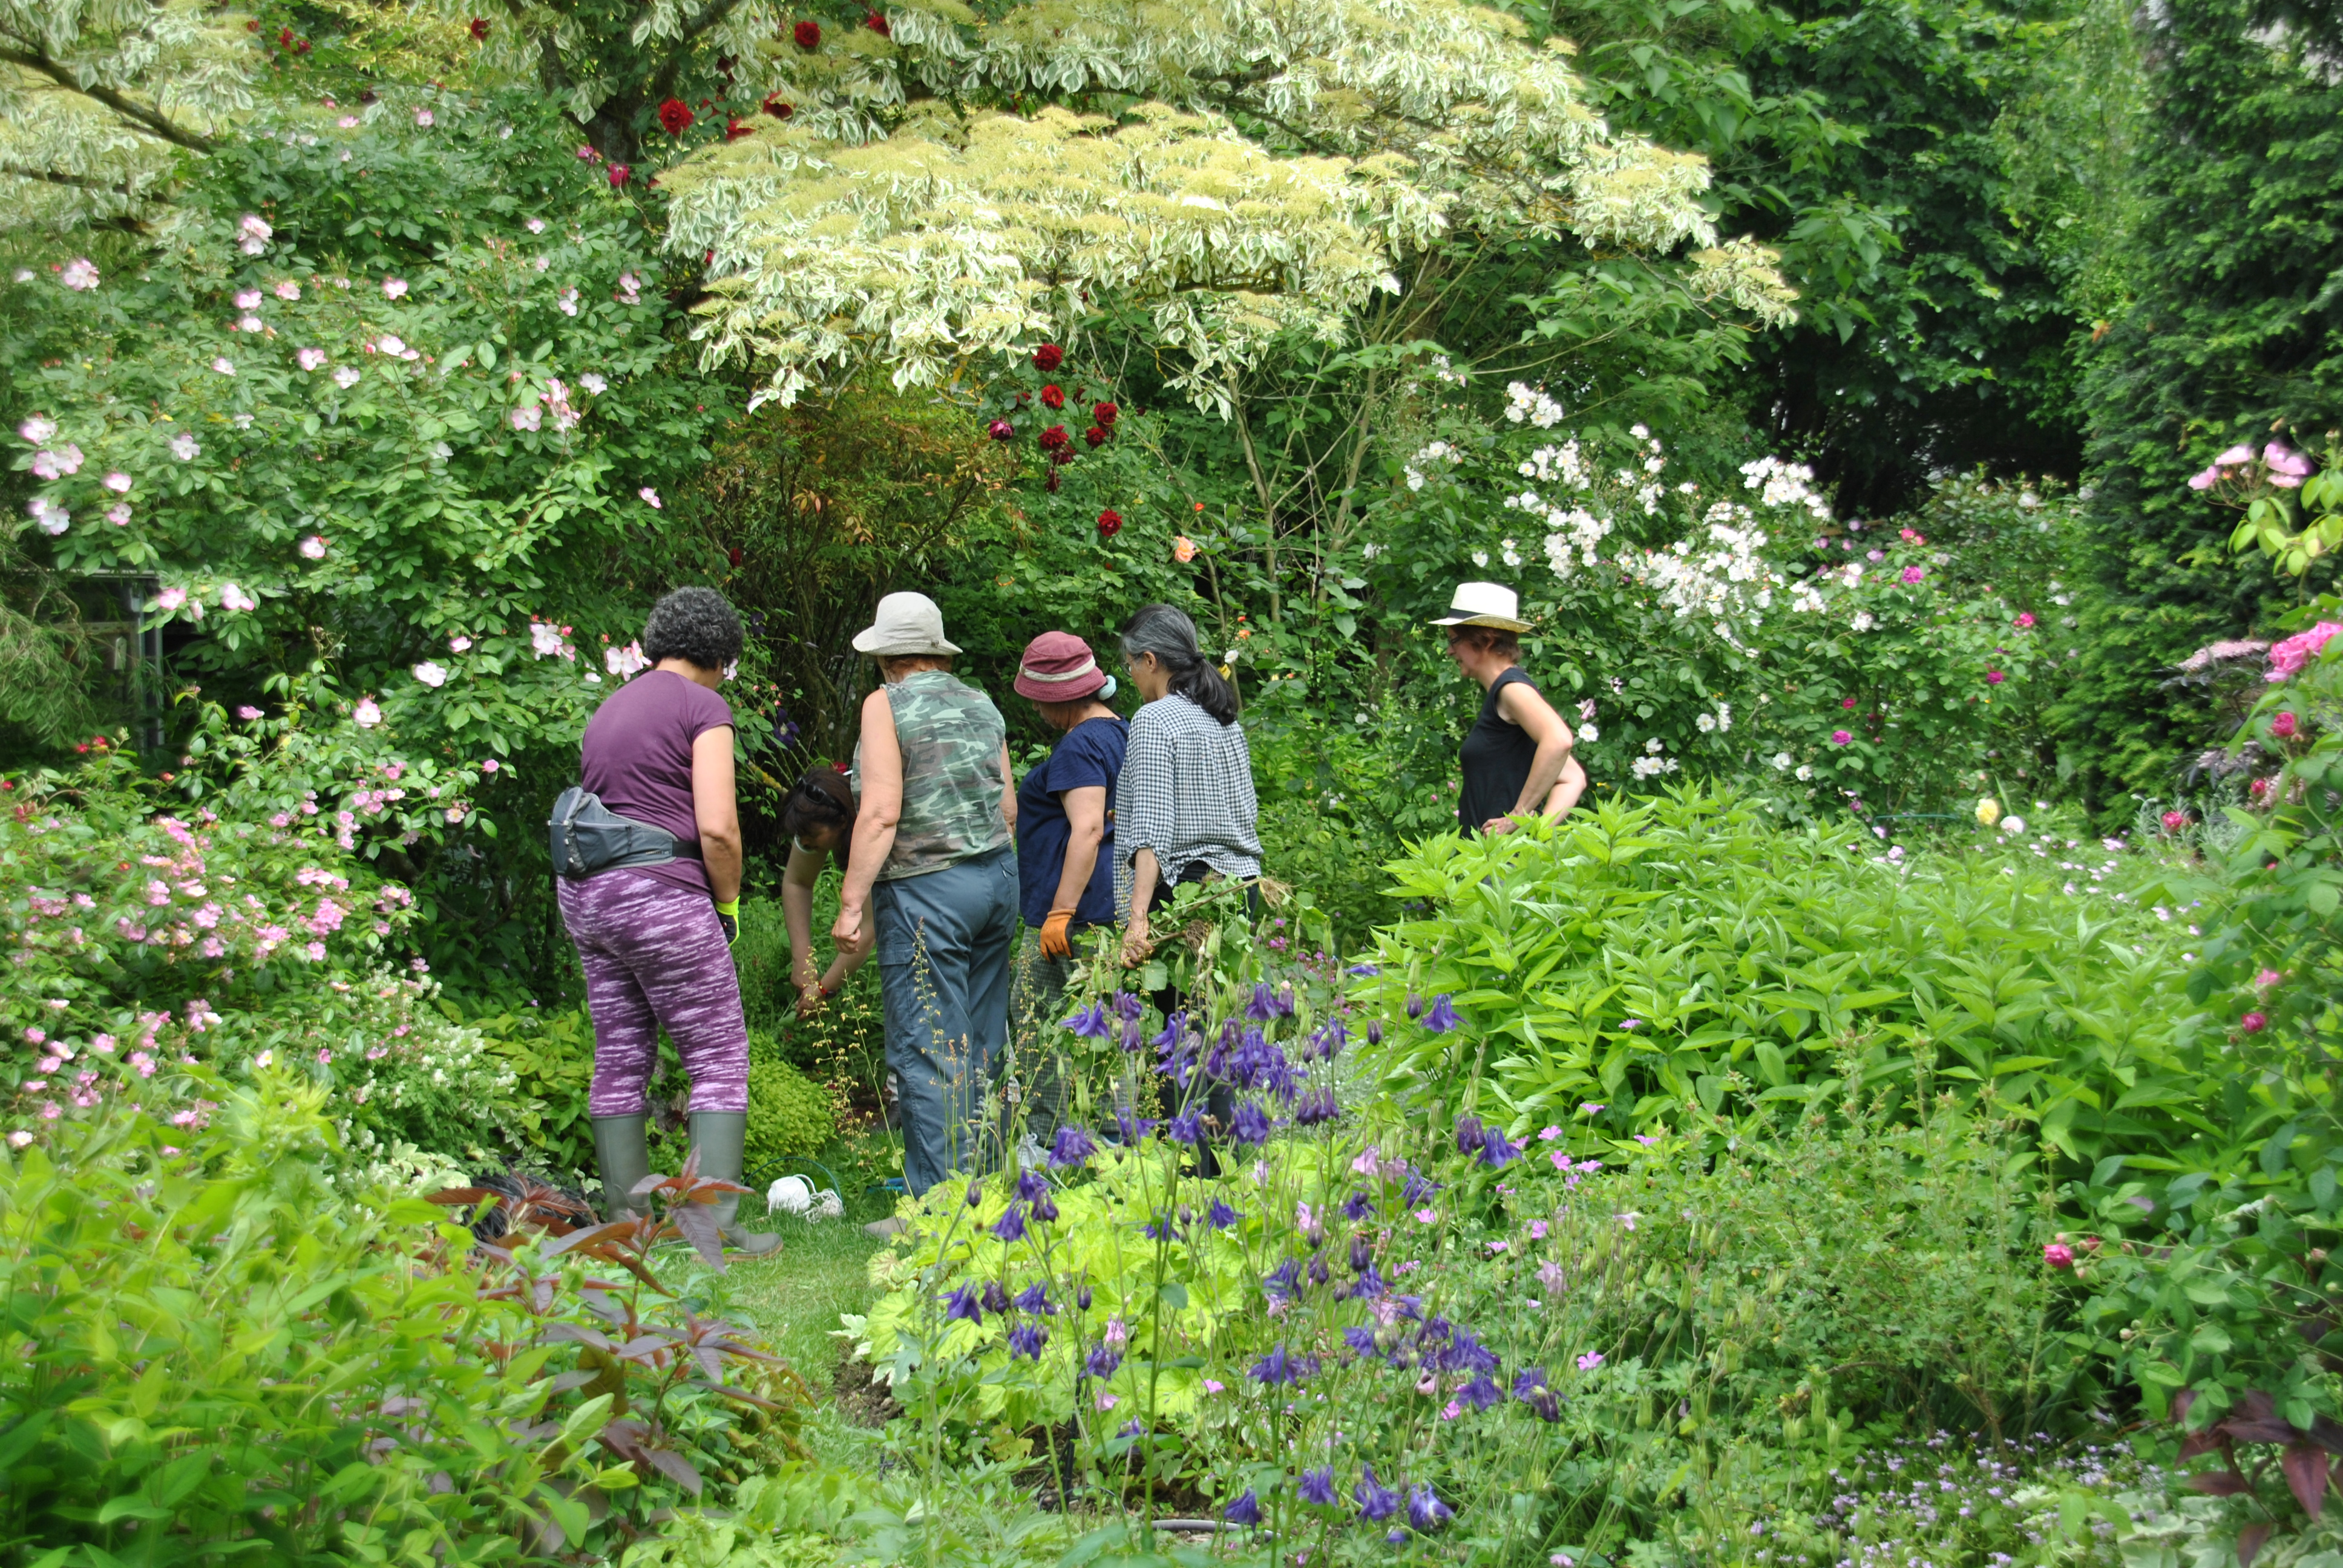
[1184, 808]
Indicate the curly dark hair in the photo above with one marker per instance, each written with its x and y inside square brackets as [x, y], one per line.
[698, 623]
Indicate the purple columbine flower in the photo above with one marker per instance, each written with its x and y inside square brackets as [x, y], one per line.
[1375, 1031]
[1466, 1354]
[1129, 1428]
[1221, 1215]
[996, 1299]
[1368, 969]
[1415, 1190]
[1083, 1298]
[1415, 1005]
[1169, 1039]
[1425, 1511]
[1376, 1502]
[1443, 1016]
[1263, 1006]
[1026, 1340]
[975, 1193]
[1245, 1510]
[1126, 1006]
[1360, 1338]
[1101, 1362]
[1035, 1298]
[963, 1304]
[1369, 1284]
[1032, 1184]
[1495, 1152]
[1091, 1022]
[1132, 1130]
[1251, 1124]
[1318, 1271]
[1073, 1145]
[1011, 1226]
[1044, 1208]
[1333, 1036]
[1318, 1487]
[1283, 1283]
[1278, 1368]
[1184, 1127]
[1130, 1039]
[1468, 1135]
[1480, 1393]
[1530, 1388]
[1363, 1255]
[1312, 1110]
[1357, 1207]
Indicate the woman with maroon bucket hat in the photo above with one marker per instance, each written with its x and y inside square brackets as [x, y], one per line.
[1065, 850]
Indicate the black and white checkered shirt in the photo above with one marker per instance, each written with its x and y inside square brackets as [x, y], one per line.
[1185, 792]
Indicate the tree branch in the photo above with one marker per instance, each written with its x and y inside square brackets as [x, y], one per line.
[52, 176]
[153, 122]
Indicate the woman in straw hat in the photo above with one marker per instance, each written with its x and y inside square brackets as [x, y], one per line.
[931, 878]
[1065, 847]
[1516, 757]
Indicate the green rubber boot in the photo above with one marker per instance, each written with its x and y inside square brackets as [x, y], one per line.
[624, 1160]
[720, 1136]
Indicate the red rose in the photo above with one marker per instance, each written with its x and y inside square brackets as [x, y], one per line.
[1002, 431]
[480, 29]
[284, 38]
[302, 48]
[779, 111]
[735, 127]
[1047, 357]
[877, 25]
[1095, 436]
[1063, 455]
[1054, 437]
[618, 173]
[2175, 821]
[1053, 480]
[1105, 414]
[1053, 395]
[674, 116]
[253, 26]
[734, 555]
[808, 34]
[1110, 523]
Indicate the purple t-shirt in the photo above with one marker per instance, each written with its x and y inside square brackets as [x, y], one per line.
[637, 755]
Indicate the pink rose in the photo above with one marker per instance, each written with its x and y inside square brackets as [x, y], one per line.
[1840, 738]
[2058, 1255]
[2253, 1022]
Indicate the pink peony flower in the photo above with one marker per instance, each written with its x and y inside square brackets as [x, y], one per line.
[1840, 738]
[2058, 1255]
[1914, 574]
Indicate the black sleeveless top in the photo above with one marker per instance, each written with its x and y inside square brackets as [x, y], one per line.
[1497, 755]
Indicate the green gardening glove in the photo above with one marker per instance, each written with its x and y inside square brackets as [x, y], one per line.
[729, 917]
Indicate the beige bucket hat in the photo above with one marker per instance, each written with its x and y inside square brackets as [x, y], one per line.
[904, 624]
[1484, 604]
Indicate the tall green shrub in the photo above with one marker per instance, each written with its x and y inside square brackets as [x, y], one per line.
[2234, 333]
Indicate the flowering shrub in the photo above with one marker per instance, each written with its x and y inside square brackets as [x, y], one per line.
[1395, 1326]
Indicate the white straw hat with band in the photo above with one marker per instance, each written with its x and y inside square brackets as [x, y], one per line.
[904, 624]
[1484, 604]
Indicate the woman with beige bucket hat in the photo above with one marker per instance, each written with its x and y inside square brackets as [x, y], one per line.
[932, 879]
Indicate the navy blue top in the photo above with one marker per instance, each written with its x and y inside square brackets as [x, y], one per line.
[1090, 755]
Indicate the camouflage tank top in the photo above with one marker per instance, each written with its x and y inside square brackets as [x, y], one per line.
[950, 736]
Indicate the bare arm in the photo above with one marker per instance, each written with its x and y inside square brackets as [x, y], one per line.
[1085, 831]
[1566, 789]
[797, 910]
[1008, 790]
[715, 812]
[1518, 704]
[1144, 874]
[874, 824]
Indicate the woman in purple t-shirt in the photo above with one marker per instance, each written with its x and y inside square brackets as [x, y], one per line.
[654, 941]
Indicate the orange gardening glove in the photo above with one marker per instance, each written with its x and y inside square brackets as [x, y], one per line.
[1055, 943]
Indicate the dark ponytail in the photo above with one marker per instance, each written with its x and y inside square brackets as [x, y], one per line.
[820, 800]
[1170, 636]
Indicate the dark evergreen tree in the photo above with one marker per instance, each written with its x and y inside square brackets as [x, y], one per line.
[2233, 333]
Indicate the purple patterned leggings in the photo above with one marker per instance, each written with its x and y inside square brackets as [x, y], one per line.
[654, 955]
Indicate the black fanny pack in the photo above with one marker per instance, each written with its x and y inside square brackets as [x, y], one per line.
[588, 837]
